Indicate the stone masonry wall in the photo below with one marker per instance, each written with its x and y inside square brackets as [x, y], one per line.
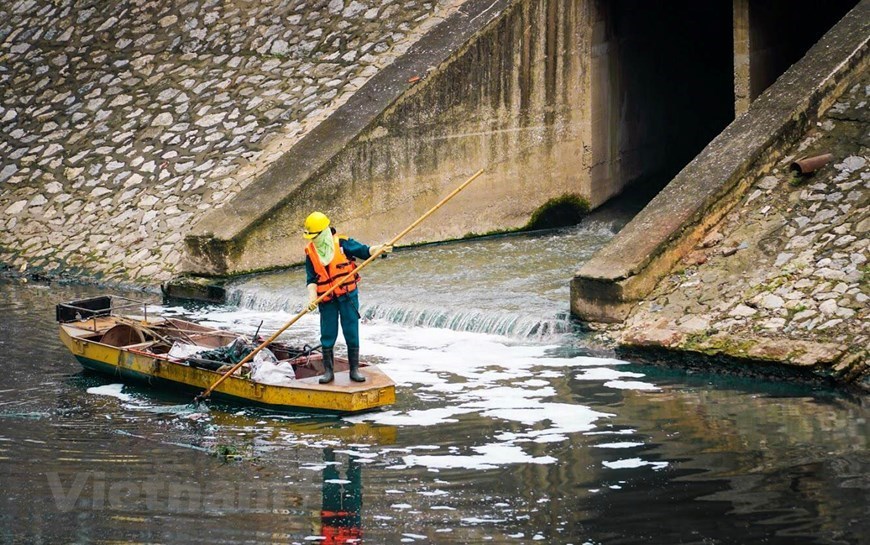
[120, 122]
[783, 277]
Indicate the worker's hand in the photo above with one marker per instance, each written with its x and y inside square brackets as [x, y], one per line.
[382, 248]
[312, 296]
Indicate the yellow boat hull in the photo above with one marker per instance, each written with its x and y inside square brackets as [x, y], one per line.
[341, 396]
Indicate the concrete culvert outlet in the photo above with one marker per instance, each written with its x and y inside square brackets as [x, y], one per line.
[559, 212]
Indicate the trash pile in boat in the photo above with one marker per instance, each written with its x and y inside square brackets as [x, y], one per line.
[264, 368]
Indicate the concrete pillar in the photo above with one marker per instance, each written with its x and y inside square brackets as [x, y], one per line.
[742, 51]
[602, 153]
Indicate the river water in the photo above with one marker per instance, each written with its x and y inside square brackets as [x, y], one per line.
[509, 427]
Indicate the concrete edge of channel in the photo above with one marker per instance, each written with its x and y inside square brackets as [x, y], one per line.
[619, 275]
[726, 354]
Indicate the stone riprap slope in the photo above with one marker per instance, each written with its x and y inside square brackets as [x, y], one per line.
[784, 276]
[120, 122]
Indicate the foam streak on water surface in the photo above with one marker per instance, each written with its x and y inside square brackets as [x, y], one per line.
[446, 376]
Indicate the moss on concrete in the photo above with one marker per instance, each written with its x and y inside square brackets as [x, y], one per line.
[561, 211]
[715, 345]
[196, 288]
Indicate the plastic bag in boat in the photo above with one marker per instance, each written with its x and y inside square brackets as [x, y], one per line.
[266, 369]
[183, 350]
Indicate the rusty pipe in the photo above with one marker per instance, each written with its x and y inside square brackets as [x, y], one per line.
[808, 165]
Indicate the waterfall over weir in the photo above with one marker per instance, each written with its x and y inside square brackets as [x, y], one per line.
[516, 285]
[476, 321]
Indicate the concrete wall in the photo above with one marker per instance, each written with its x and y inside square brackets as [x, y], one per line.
[551, 97]
[513, 101]
[513, 97]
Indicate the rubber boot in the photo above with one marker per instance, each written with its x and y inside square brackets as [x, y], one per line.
[353, 358]
[328, 364]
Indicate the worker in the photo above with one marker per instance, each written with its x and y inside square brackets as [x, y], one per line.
[341, 510]
[329, 259]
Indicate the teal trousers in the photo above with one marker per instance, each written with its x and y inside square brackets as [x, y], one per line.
[344, 309]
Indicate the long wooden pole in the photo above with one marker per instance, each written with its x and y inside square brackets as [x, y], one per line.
[363, 265]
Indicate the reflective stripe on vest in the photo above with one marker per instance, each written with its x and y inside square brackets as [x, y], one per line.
[339, 268]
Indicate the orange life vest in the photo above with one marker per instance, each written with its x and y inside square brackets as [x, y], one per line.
[337, 270]
[338, 534]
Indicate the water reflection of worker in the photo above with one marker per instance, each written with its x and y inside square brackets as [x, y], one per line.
[328, 260]
[341, 513]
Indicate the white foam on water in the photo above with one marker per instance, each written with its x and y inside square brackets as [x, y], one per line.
[623, 444]
[438, 492]
[605, 373]
[554, 438]
[629, 463]
[357, 453]
[453, 373]
[489, 456]
[631, 385]
[627, 431]
[111, 390]
[427, 417]
[483, 392]
[478, 520]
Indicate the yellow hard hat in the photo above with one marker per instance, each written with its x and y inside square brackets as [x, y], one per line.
[314, 224]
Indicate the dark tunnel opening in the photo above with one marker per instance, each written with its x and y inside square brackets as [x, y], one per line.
[782, 31]
[671, 67]
[674, 79]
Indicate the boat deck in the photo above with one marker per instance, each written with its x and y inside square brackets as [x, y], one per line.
[130, 346]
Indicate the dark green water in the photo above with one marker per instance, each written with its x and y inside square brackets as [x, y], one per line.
[520, 437]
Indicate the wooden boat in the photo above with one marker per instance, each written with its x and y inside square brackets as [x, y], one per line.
[105, 339]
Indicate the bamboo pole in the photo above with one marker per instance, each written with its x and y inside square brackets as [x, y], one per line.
[363, 265]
